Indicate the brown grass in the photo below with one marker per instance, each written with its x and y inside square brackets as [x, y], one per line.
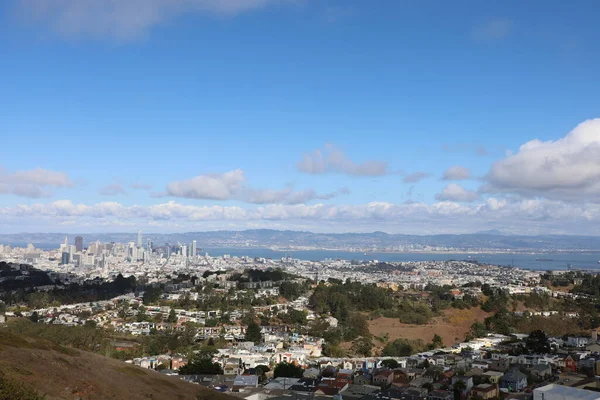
[60, 372]
[452, 326]
[131, 370]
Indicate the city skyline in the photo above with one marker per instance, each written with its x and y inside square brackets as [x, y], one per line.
[339, 117]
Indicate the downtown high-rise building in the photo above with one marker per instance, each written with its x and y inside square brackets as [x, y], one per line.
[193, 249]
[79, 244]
[140, 241]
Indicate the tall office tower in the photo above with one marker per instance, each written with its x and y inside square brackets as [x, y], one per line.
[167, 251]
[193, 249]
[79, 243]
[64, 245]
[71, 251]
[64, 258]
[149, 245]
[139, 239]
[184, 250]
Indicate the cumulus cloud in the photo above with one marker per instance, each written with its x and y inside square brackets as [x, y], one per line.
[112, 190]
[232, 185]
[223, 186]
[456, 192]
[567, 169]
[492, 30]
[332, 159]
[33, 183]
[511, 214]
[456, 173]
[125, 19]
[415, 177]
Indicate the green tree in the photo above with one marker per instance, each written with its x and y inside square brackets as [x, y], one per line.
[200, 366]
[141, 315]
[459, 388]
[287, 370]
[211, 322]
[437, 342]
[172, 318]
[151, 295]
[390, 363]
[537, 343]
[34, 317]
[332, 350]
[253, 333]
[362, 346]
[290, 290]
[261, 371]
[399, 347]
[477, 330]
[37, 300]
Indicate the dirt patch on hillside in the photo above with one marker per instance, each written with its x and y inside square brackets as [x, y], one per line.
[452, 326]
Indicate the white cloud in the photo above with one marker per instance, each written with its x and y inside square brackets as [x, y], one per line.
[332, 159]
[33, 183]
[112, 189]
[456, 173]
[125, 19]
[492, 30]
[568, 168]
[232, 185]
[415, 177]
[223, 186]
[456, 192]
[511, 214]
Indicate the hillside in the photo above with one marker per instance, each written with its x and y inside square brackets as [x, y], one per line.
[64, 373]
[452, 326]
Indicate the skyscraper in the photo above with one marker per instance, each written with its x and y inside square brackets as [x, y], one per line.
[193, 249]
[139, 239]
[78, 243]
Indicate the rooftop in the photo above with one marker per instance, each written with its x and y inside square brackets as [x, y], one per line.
[567, 392]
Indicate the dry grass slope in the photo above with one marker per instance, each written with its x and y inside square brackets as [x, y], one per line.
[59, 372]
[452, 326]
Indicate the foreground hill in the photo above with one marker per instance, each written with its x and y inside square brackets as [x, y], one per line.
[58, 372]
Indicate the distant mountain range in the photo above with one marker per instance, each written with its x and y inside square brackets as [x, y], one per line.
[375, 241]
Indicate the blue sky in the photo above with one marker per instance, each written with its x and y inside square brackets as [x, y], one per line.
[318, 115]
